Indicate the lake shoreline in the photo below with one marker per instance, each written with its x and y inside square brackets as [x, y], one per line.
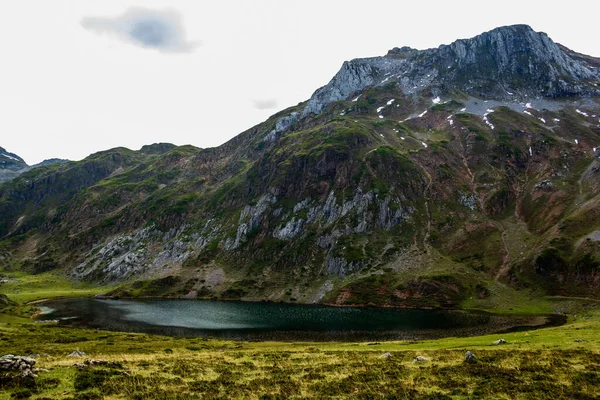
[293, 303]
[442, 322]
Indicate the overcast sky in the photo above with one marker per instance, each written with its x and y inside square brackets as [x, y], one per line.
[79, 76]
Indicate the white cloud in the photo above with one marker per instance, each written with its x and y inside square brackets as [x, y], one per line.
[265, 104]
[156, 29]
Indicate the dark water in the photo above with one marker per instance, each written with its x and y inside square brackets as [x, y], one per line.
[266, 321]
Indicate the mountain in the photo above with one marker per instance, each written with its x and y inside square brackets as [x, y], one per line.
[462, 176]
[12, 165]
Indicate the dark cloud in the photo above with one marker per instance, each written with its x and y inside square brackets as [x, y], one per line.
[265, 104]
[156, 29]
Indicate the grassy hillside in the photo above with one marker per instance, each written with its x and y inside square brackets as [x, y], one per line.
[370, 202]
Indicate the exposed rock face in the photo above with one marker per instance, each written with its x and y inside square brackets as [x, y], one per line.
[128, 256]
[468, 200]
[515, 59]
[282, 124]
[354, 76]
[250, 219]
[499, 64]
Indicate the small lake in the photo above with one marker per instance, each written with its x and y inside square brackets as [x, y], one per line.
[268, 321]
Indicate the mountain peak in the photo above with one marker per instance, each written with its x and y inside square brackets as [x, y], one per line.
[508, 59]
[10, 164]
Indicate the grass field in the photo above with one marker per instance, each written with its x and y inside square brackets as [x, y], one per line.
[539, 364]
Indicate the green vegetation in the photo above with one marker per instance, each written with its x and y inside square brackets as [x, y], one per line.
[540, 364]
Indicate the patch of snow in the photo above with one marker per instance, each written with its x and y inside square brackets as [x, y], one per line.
[389, 103]
[509, 93]
[576, 141]
[381, 134]
[437, 100]
[556, 120]
[381, 116]
[594, 149]
[530, 151]
[528, 105]
[582, 113]
[385, 80]
[343, 113]
[424, 144]
[543, 120]
[356, 99]
[402, 137]
[463, 109]
[486, 120]
[528, 113]
[8, 156]
[451, 122]
[422, 114]
[379, 109]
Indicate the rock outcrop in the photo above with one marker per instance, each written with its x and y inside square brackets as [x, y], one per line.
[23, 366]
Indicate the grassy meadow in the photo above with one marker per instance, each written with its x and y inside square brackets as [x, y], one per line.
[539, 364]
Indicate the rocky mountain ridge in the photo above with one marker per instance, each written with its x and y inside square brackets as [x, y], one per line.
[402, 182]
[511, 62]
[11, 165]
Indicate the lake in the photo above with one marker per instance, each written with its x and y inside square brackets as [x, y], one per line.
[269, 321]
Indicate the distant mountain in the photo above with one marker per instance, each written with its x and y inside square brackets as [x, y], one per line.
[11, 165]
[462, 176]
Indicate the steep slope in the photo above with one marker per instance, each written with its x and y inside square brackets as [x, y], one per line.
[10, 164]
[466, 175]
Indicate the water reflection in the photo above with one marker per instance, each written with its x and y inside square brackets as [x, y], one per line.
[266, 321]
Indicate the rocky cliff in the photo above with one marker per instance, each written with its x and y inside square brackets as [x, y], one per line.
[465, 175]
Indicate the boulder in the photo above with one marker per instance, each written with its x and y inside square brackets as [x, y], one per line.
[499, 341]
[385, 355]
[77, 353]
[23, 366]
[420, 359]
[470, 357]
